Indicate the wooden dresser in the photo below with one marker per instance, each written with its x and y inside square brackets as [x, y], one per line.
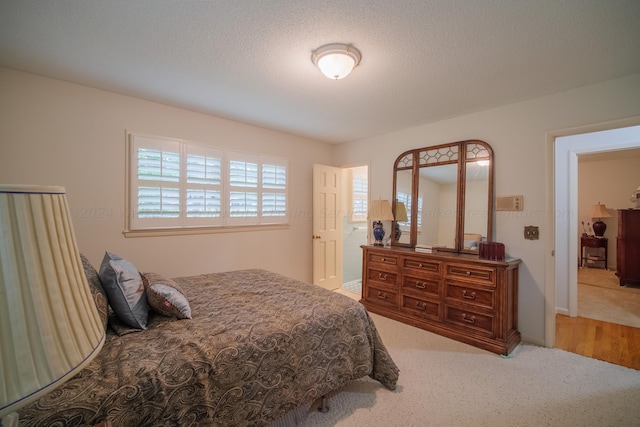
[456, 295]
[628, 247]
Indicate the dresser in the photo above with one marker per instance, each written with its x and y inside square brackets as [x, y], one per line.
[456, 295]
[628, 247]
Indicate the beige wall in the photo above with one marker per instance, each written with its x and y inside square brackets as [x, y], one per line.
[518, 135]
[64, 134]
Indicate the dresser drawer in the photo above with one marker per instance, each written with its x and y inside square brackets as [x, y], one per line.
[469, 320]
[375, 276]
[424, 266]
[476, 273]
[382, 260]
[459, 292]
[421, 308]
[381, 296]
[423, 285]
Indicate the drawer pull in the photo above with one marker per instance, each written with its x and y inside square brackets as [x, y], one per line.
[421, 306]
[382, 295]
[468, 273]
[470, 319]
[472, 295]
[420, 265]
[384, 259]
[382, 276]
[421, 285]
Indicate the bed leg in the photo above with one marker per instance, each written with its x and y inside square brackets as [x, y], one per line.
[323, 405]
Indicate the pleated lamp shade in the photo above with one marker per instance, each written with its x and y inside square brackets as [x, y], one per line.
[49, 324]
[401, 212]
[380, 210]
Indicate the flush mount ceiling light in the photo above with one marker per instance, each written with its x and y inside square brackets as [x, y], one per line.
[336, 60]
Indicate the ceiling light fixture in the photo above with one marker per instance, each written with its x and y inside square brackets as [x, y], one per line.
[336, 60]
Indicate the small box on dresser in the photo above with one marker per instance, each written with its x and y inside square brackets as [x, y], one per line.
[457, 295]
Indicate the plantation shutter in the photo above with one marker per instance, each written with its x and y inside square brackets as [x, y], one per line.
[155, 189]
[174, 184]
[203, 195]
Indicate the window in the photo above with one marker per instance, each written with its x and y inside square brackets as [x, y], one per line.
[174, 184]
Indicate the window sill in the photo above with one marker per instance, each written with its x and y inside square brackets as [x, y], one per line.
[181, 231]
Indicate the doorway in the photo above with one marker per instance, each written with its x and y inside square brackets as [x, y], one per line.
[562, 288]
[605, 183]
[354, 231]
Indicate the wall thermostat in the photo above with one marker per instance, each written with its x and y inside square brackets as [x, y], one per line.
[509, 203]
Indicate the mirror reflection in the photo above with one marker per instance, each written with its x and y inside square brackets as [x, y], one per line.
[476, 213]
[447, 193]
[403, 201]
[438, 186]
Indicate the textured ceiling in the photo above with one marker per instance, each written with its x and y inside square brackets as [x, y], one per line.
[249, 60]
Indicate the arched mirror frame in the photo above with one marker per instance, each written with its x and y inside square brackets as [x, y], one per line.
[460, 154]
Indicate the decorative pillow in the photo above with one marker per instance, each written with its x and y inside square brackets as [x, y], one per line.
[165, 296]
[125, 291]
[97, 291]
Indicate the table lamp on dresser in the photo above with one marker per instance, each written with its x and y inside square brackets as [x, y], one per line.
[379, 211]
[49, 324]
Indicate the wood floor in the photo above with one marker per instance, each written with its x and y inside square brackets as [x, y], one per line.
[618, 344]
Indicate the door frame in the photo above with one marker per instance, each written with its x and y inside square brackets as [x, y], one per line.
[344, 167]
[563, 147]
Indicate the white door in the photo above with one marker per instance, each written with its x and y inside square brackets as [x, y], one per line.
[327, 226]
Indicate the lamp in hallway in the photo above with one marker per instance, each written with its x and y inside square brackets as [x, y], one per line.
[380, 211]
[50, 327]
[598, 212]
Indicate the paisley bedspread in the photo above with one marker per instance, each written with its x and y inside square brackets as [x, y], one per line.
[259, 345]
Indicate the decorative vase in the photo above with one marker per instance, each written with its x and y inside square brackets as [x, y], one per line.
[378, 233]
[398, 232]
[599, 228]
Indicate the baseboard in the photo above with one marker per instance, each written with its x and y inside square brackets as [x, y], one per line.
[562, 311]
[530, 340]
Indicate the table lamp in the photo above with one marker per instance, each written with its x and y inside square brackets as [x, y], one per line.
[400, 216]
[599, 211]
[380, 211]
[49, 324]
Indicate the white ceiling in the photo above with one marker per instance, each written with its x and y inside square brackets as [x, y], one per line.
[249, 60]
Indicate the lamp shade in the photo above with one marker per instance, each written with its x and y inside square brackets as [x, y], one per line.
[49, 324]
[380, 210]
[599, 211]
[401, 212]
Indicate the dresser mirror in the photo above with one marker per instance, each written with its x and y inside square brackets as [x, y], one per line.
[447, 193]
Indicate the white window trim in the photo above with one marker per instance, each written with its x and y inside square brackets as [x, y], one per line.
[140, 227]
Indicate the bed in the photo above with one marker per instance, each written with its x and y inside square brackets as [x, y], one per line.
[258, 346]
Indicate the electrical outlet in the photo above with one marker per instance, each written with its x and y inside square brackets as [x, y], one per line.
[531, 232]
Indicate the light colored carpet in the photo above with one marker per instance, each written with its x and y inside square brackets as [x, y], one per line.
[447, 383]
[601, 297]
